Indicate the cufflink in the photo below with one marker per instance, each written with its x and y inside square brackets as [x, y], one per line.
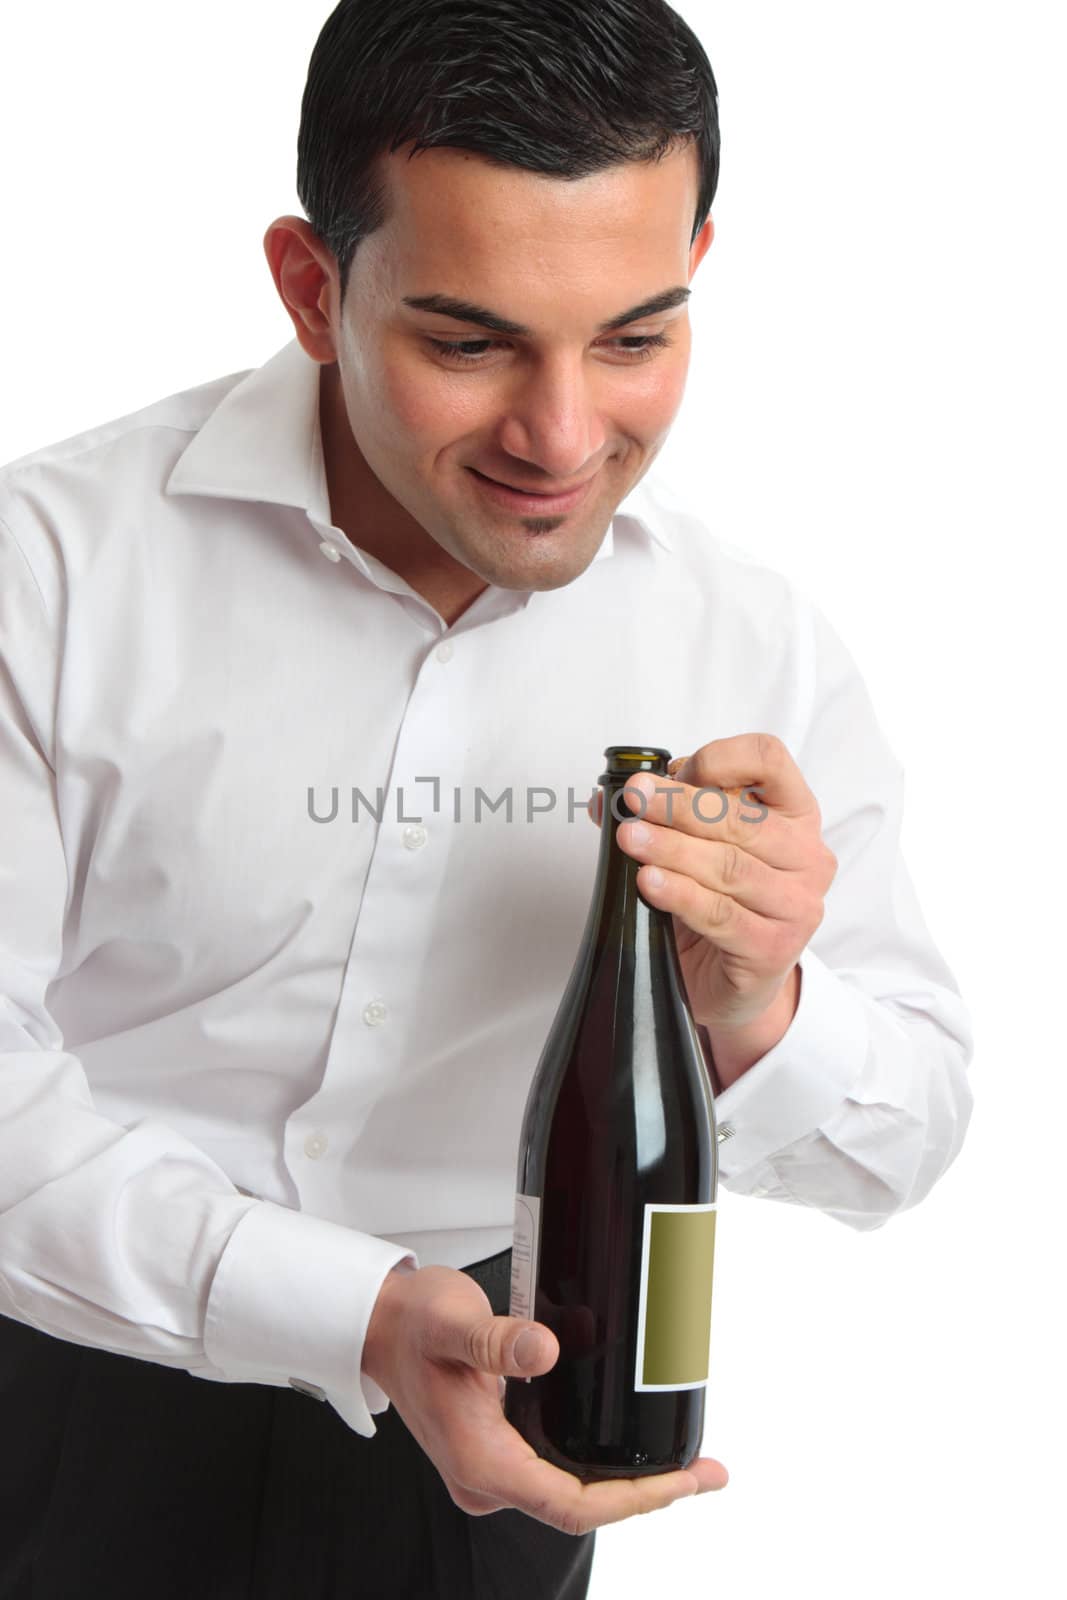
[725, 1131]
[310, 1389]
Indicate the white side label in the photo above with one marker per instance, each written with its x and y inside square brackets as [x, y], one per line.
[524, 1250]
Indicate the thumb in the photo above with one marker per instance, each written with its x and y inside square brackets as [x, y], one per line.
[506, 1346]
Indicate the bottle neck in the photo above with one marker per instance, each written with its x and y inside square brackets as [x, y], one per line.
[620, 911]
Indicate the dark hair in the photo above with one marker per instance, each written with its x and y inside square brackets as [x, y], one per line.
[561, 87]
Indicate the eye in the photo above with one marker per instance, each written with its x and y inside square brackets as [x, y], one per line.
[469, 352]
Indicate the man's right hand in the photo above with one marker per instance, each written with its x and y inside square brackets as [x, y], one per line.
[437, 1350]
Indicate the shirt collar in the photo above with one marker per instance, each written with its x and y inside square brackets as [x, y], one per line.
[263, 442]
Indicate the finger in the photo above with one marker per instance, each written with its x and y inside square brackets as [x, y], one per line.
[764, 942]
[706, 812]
[548, 1494]
[488, 1344]
[750, 760]
[458, 1326]
[487, 1457]
[507, 1466]
[783, 894]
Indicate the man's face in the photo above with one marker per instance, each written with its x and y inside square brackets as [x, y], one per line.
[560, 405]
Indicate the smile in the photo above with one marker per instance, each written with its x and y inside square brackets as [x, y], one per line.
[529, 500]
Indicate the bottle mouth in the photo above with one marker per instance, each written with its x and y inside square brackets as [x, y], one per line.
[623, 760]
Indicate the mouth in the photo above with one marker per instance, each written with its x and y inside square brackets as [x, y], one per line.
[527, 501]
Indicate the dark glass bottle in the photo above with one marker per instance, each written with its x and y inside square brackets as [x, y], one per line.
[616, 1190]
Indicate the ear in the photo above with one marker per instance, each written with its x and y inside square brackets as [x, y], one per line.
[305, 275]
[701, 245]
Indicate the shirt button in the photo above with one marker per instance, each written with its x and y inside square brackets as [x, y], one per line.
[315, 1145]
[415, 837]
[374, 1013]
[330, 551]
[445, 651]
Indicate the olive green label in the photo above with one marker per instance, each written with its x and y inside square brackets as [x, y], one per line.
[674, 1324]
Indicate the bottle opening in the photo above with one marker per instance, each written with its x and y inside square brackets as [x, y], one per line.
[625, 759]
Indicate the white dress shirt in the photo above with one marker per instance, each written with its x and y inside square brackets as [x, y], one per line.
[250, 1057]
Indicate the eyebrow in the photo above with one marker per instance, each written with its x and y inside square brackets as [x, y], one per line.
[443, 305]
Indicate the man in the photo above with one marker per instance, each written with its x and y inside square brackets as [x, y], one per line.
[273, 984]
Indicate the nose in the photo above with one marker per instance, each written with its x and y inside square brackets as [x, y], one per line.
[553, 423]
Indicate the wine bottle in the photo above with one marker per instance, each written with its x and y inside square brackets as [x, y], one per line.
[615, 1207]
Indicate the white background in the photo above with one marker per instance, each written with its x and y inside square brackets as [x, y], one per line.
[876, 407]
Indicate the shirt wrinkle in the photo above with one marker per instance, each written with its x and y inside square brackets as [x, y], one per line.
[309, 1042]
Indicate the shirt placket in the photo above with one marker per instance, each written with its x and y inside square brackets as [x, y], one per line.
[373, 1046]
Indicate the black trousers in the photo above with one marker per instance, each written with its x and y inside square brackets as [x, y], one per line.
[121, 1477]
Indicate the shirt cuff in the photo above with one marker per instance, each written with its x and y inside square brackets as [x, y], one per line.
[802, 1080]
[292, 1298]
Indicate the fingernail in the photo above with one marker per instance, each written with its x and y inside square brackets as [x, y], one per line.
[526, 1348]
